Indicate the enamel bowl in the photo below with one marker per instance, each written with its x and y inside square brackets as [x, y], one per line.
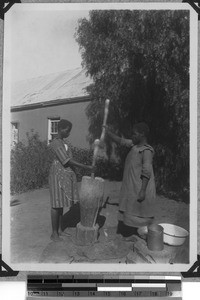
[174, 235]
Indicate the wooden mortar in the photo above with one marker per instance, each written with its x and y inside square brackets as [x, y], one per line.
[91, 195]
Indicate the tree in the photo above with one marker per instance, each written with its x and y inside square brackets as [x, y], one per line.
[140, 61]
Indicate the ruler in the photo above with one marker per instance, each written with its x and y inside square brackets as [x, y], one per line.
[104, 286]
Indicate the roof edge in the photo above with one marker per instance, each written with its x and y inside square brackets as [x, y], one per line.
[50, 103]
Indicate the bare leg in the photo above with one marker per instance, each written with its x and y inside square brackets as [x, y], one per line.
[55, 213]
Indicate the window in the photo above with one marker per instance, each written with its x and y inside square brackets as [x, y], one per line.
[52, 128]
[14, 133]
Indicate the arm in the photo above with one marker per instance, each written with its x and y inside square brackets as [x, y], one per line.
[62, 155]
[113, 136]
[73, 163]
[142, 192]
[117, 139]
[146, 173]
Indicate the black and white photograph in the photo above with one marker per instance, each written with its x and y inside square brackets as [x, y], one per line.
[100, 137]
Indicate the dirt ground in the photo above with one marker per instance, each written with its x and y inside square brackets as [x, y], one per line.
[31, 229]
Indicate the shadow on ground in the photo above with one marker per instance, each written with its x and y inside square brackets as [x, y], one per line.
[71, 218]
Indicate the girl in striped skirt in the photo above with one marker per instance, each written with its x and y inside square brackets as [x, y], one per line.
[62, 178]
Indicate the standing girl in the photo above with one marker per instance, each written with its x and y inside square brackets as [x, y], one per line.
[62, 178]
[138, 192]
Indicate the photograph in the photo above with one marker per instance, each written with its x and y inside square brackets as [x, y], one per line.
[100, 137]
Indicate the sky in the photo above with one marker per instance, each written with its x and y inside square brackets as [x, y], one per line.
[42, 42]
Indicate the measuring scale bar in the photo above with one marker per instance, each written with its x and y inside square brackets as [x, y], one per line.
[106, 294]
[111, 287]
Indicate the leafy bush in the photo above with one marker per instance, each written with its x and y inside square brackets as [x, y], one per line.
[172, 176]
[30, 163]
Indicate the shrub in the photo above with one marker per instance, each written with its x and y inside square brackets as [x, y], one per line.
[31, 161]
[172, 177]
[30, 164]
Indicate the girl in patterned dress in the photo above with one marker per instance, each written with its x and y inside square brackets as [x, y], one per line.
[138, 192]
[62, 178]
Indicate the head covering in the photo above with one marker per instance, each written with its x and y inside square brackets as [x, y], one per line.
[63, 124]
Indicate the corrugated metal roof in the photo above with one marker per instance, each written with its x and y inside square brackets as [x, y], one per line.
[64, 85]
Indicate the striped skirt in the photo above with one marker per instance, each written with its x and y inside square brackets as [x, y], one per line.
[62, 186]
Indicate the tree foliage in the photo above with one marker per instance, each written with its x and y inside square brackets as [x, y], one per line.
[140, 61]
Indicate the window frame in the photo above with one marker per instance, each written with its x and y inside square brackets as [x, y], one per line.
[50, 133]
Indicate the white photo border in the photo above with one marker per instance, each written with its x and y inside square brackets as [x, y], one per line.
[83, 267]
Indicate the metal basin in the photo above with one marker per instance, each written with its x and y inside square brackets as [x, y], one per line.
[173, 234]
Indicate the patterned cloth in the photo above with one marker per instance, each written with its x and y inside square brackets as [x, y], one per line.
[62, 180]
[134, 213]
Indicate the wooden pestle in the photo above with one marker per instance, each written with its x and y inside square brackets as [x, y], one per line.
[97, 141]
[96, 148]
[107, 102]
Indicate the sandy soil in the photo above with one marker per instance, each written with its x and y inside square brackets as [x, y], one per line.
[31, 228]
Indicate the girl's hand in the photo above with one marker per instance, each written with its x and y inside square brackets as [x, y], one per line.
[92, 169]
[141, 196]
[107, 129]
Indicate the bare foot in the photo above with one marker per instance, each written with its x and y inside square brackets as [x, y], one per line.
[56, 238]
[63, 233]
